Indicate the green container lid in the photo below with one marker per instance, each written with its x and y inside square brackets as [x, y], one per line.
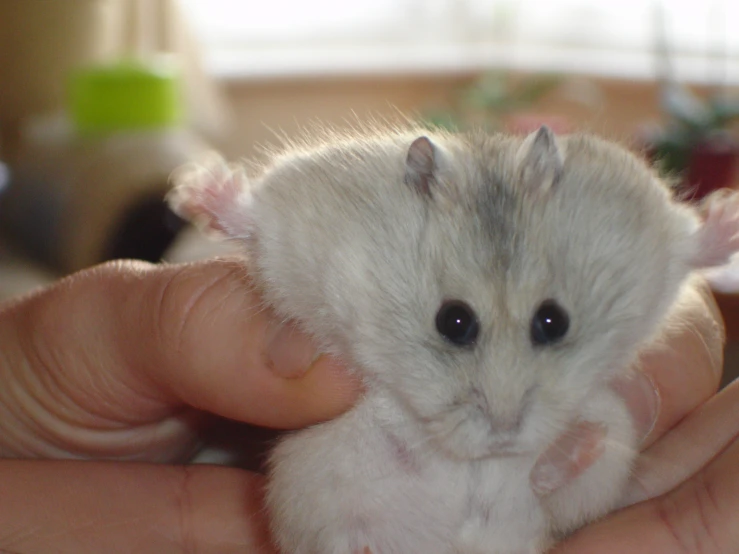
[125, 96]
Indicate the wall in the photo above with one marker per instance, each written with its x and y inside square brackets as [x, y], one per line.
[614, 108]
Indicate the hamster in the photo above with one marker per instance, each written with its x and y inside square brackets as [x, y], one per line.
[486, 288]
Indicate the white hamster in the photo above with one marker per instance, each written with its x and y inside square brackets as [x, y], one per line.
[485, 288]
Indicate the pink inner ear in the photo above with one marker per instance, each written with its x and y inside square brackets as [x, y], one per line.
[718, 236]
[214, 197]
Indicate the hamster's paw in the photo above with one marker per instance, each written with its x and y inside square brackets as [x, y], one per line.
[599, 458]
[214, 195]
[718, 237]
[569, 457]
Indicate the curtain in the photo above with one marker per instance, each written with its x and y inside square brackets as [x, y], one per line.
[42, 41]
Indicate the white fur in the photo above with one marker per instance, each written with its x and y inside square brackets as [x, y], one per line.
[436, 457]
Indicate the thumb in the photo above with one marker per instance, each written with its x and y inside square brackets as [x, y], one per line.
[204, 338]
[124, 345]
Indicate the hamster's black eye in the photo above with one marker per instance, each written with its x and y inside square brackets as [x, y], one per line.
[550, 323]
[457, 323]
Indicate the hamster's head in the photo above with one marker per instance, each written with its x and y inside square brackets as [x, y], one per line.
[487, 283]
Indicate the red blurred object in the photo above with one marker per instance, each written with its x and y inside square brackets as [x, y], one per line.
[712, 166]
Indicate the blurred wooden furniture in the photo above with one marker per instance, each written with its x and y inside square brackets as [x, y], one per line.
[729, 306]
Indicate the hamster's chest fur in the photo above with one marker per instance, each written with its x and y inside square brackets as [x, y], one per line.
[375, 484]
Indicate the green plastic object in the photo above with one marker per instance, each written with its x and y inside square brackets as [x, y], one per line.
[125, 96]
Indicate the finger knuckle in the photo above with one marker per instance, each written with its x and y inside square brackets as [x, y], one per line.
[185, 508]
[187, 301]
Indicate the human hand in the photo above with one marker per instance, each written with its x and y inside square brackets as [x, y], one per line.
[683, 494]
[125, 362]
[74, 507]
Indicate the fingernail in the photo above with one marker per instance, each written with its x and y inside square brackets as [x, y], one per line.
[642, 399]
[570, 455]
[290, 352]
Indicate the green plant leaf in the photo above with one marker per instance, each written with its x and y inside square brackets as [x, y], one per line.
[723, 111]
[685, 108]
[442, 120]
[535, 88]
[672, 152]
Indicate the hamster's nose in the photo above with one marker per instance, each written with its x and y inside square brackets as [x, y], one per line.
[508, 424]
[504, 419]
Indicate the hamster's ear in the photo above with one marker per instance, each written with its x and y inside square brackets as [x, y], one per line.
[539, 161]
[420, 165]
[717, 238]
[215, 196]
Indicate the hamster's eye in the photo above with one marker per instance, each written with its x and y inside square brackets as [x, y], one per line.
[457, 323]
[550, 323]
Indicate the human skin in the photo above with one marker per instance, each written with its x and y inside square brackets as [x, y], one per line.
[684, 496]
[124, 363]
[686, 489]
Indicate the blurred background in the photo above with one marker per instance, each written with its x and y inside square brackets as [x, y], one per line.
[100, 100]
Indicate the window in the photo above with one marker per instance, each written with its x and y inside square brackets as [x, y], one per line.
[277, 37]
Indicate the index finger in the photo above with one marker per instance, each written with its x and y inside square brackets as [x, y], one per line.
[685, 368]
[135, 342]
[686, 362]
[680, 369]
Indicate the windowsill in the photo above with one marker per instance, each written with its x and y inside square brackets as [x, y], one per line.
[428, 60]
